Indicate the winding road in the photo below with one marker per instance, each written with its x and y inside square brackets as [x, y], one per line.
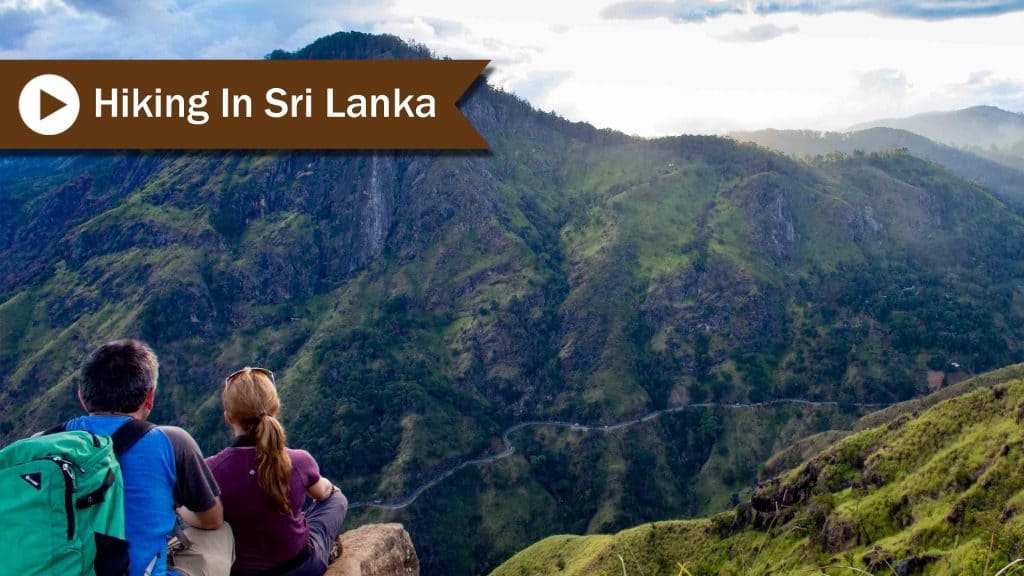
[510, 449]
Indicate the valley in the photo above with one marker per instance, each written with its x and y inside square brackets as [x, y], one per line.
[713, 302]
[510, 449]
[927, 487]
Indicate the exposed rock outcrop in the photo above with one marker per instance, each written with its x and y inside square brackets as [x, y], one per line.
[766, 200]
[376, 550]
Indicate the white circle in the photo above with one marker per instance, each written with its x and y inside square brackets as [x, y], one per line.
[56, 88]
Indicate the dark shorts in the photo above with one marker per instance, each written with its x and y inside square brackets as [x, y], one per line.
[324, 519]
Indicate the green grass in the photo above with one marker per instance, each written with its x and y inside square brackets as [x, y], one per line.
[941, 490]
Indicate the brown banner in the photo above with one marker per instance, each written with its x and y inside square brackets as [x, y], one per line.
[236, 104]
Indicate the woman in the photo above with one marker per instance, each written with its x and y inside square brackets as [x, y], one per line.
[264, 484]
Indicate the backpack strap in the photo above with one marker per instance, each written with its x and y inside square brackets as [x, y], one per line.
[62, 427]
[123, 438]
[96, 496]
[128, 434]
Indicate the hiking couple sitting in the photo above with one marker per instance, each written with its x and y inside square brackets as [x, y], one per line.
[240, 511]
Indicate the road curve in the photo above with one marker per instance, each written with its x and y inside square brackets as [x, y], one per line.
[510, 449]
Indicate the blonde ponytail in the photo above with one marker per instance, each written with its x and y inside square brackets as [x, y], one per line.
[273, 466]
[251, 401]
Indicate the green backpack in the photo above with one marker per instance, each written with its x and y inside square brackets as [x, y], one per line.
[62, 503]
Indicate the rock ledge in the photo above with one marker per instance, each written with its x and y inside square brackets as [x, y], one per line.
[376, 550]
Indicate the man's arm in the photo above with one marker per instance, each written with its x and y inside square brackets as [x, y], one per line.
[196, 495]
[207, 520]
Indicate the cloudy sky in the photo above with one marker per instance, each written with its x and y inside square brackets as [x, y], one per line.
[649, 67]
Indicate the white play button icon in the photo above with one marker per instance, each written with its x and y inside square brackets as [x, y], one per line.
[48, 104]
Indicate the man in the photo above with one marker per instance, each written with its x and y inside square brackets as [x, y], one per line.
[164, 472]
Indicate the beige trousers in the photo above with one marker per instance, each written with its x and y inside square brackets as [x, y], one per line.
[209, 553]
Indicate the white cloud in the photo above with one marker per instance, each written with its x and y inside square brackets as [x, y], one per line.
[536, 86]
[759, 33]
[884, 83]
[649, 76]
[985, 86]
[16, 23]
[180, 28]
[703, 10]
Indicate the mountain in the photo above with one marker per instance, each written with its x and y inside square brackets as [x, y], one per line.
[1006, 182]
[923, 491]
[985, 130]
[414, 306]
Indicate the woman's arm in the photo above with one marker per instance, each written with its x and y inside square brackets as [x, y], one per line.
[321, 490]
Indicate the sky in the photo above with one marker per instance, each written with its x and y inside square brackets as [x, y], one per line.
[646, 67]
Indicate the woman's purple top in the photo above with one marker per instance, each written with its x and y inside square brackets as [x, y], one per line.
[265, 537]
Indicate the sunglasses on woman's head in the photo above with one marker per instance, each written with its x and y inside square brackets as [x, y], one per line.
[264, 371]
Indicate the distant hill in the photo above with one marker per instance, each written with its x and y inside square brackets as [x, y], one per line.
[986, 130]
[934, 492]
[1004, 180]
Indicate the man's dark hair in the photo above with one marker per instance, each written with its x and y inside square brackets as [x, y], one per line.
[117, 376]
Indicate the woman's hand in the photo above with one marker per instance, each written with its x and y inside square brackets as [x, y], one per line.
[321, 490]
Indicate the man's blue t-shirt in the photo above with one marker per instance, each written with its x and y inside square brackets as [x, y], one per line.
[164, 470]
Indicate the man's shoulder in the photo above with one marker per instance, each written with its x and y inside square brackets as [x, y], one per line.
[180, 440]
[174, 431]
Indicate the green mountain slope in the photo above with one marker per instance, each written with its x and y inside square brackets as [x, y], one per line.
[415, 305]
[936, 491]
[1006, 182]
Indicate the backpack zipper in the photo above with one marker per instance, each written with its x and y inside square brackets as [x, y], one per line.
[69, 489]
[60, 460]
